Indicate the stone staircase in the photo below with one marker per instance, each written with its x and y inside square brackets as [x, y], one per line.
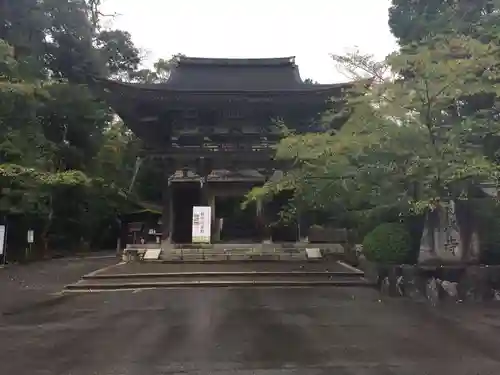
[160, 275]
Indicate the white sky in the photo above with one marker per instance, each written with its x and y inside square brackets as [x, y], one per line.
[307, 29]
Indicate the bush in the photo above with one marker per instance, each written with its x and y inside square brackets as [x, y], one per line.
[388, 243]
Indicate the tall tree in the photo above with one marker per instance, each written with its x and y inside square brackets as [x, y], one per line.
[408, 143]
[160, 72]
[414, 21]
[55, 137]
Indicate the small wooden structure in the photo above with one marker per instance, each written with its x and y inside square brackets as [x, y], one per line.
[143, 226]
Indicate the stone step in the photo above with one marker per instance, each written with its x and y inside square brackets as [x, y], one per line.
[142, 246]
[331, 265]
[235, 275]
[232, 257]
[263, 253]
[85, 286]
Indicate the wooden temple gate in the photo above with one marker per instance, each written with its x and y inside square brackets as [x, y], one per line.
[212, 120]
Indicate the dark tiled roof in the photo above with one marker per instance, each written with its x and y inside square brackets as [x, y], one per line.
[194, 74]
[233, 78]
[234, 74]
[276, 61]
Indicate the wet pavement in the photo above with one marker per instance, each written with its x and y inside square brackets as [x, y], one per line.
[24, 285]
[245, 331]
[229, 266]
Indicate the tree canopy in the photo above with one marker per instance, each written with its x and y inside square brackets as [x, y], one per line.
[424, 130]
[66, 161]
[421, 133]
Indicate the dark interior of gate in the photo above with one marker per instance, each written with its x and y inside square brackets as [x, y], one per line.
[213, 127]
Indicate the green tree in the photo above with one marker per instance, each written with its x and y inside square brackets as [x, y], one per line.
[415, 21]
[407, 142]
[63, 163]
[120, 55]
[160, 72]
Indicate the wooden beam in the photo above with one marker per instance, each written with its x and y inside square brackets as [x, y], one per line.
[183, 156]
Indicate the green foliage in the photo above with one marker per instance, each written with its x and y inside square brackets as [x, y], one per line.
[65, 161]
[425, 129]
[414, 21]
[118, 52]
[389, 243]
[160, 72]
[73, 122]
[408, 140]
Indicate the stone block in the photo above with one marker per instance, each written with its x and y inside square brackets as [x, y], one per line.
[289, 250]
[172, 258]
[263, 257]
[358, 248]
[216, 257]
[413, 284]
[475, 284]
[267, 250]
[192, 257]
[371, 271]
[239, 256]
[393, 274]
[449, 290]
[433, 291]
[285, 256]
[338, 249]
[133, 255]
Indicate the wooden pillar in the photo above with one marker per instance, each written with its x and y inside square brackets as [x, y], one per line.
[166, 228]
[167, 206]
[204, 196]
[263, 215]
[301, 227]
[264, 223]
[203, 169]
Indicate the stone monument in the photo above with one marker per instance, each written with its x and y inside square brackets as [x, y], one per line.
[446, 239]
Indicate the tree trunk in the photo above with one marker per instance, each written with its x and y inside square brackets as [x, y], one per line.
[46, 229]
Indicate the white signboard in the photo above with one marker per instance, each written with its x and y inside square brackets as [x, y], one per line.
[2, 239]
[152, 254]
[31, 236]
[313, 253]
[202, 220]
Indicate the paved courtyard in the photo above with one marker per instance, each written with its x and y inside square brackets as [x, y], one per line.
[273, 266]
[246, 331]
[24, 285]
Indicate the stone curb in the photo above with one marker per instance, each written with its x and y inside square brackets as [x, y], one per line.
[93, 276]
[225, 261]
[196, 284]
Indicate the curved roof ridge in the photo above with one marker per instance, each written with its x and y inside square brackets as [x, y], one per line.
[270, 61]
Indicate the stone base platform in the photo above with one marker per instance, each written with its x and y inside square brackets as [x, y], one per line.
[225, 274]
[234, 252]
[457, 283]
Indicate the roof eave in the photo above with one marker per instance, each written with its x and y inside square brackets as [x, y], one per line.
[108, 85]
